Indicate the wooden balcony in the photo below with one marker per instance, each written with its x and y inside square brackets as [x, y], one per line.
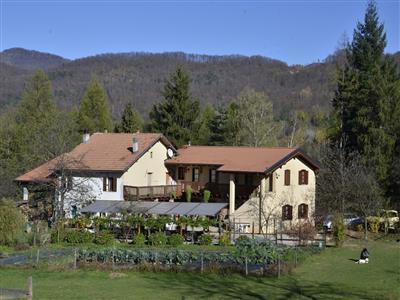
[218, 190]
[135, 193]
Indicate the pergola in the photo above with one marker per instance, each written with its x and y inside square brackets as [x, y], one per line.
[157, 208]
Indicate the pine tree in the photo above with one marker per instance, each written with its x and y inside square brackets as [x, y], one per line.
[36, 132]
[93, 114]
[176, 115]
[131, 121]
[368, 91]
[204, 129]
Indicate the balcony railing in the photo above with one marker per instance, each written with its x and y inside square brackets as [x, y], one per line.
[134, 193]
[218, 190]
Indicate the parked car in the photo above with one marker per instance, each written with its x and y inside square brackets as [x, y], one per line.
[349, 219]
[389, 217]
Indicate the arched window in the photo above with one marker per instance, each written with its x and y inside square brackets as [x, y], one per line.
[302, 211]
[303, 177]
[287, 212]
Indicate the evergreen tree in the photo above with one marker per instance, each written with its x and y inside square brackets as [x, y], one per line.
[131, 121]
[366, 97]
[204, 129]
[218, 124]
[93, 114]
[176, 115]
[36, 132]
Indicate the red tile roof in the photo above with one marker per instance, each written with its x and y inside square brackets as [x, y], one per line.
[110, 152]
[235, 159]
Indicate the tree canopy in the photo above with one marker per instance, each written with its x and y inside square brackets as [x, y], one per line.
[176, 115]
[131, 121]
[93, 114]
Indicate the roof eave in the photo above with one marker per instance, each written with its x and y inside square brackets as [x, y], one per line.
[295, 153]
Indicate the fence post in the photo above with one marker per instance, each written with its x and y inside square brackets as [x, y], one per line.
[234, 230]
[113, 258]
[37, 256]
[30, 289]
[202, 262]
[246, 267]
[279, 266]
[252, 231]
[75, 258]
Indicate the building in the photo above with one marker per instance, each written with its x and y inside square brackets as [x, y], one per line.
[106, 166]
[265, 187]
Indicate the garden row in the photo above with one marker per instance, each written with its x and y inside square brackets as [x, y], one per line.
[246, 251]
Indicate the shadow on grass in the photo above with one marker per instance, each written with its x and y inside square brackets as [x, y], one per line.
[196, 286]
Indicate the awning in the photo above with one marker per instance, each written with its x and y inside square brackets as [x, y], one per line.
[158, 208]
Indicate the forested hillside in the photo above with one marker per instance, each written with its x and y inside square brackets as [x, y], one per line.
[138, 78]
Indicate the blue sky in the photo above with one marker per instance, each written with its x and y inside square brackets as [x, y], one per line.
[297, 32]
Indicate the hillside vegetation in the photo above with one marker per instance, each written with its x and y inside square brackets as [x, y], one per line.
[138, 78]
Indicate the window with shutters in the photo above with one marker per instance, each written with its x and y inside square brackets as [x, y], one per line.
[109, 184]
[303, 211]
[287, 177]
[303, 177]
[196, 174]
[213, 175]
[181, 173]
[287, 211]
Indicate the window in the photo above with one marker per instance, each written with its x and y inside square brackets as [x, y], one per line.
[303, 211]
[195, 174]
[151, 154]
[181, 173]
[270, 182]
[287, 177]
[287, 212]
[109, 184]
[303, 177]
[213, 175]
[74, 211]
[66, 183]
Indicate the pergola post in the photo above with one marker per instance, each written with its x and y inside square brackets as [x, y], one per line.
[232, 195]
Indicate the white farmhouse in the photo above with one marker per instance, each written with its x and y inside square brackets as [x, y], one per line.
[107, 166]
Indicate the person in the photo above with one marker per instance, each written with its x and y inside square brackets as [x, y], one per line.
[364, 257]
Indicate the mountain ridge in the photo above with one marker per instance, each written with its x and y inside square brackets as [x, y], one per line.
[138, 78]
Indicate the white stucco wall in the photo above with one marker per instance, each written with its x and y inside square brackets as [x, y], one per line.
[272, 202]
[151, 162]
[88, 189]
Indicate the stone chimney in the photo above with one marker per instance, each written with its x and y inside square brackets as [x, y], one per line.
[135, 144]
[85, 137]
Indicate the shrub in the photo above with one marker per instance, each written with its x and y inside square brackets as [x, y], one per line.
[205, 239]
[241, 239]
[224, 240]
[175, 239]
[158, 239]
[139, 239]
[11, 222]
[359, 227]
[74, 236]
[338, 231]
[189, 192]
[103, 238]
[206, 196]
[373, 224]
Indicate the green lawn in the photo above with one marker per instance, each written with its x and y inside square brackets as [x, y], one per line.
[330, 275]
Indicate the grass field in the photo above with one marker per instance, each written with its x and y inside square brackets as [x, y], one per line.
[330, 275]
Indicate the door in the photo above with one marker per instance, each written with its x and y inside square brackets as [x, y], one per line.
[149, 179]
